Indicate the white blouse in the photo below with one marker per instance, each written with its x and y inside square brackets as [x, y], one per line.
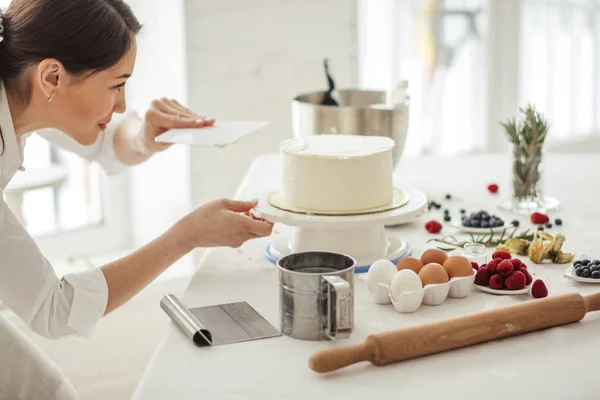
[53, 307]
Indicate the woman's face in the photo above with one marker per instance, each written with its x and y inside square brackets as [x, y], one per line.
[85, 106]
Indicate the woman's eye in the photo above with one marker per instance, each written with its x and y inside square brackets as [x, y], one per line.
[118, 87]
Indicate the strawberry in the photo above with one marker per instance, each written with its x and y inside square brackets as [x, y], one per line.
[475, 265]
[515, 281]
[539, 290]
[482, 278]
[505, 268]
[528, 277]
[539, 218]
[493, 188]
[501, 254]
[433, 226]
[496, 282]
[493, 265]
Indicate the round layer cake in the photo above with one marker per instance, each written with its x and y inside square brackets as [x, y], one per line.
[342, 173]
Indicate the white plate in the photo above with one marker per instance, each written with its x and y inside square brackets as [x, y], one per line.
[570, 273]
[459, 226]
[220, 134]
[488, 289]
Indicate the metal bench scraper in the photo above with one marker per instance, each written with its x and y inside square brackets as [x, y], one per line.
[218, 324]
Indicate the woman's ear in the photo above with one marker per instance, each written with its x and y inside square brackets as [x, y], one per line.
[50, 76]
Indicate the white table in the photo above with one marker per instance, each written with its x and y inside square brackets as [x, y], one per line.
[559, 363]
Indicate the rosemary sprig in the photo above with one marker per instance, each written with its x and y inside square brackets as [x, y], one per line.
[527, 138]
[487, 240]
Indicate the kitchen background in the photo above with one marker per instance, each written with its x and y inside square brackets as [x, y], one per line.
[469, 63]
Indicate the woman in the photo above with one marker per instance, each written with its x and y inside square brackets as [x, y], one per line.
[64, 65]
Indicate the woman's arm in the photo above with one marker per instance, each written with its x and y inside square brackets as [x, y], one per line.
[134, 137]
[55, 307]
[219, 223]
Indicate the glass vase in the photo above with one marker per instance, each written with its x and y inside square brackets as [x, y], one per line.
[527, 184]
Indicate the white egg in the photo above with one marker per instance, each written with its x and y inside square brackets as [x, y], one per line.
[381, 272]
[405, 281]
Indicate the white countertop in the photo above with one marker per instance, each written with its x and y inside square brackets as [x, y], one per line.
[558, 363]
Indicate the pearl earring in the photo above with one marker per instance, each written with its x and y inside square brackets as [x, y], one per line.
[51, 97]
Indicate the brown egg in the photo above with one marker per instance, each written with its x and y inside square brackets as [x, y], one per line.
[434, 256]
[433, 273]
[414, 264]
[458, 266]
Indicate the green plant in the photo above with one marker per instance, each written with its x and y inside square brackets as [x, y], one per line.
[489, 240]
[527, 138]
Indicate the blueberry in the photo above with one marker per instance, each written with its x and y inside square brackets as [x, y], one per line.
[577, 263]
[446, 211]
[485, 224]
[467, 222]
[549, 226]
[463, 211]
[578, 271]
[473, 215]
[447, 218]
[438, 206]
[585, 273]
[596, 274]
[585, 261]
[475, 223]
[594, 268]
[448, 196]
[596, 262]
[500, 222]
[515, 223]
[540, 228]
[558, 221]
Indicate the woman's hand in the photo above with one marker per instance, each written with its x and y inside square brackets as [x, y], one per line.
[165, 114]
[223, 223]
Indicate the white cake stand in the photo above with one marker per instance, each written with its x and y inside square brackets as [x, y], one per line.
[362, 237]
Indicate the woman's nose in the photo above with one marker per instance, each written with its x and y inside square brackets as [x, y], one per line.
[120, 104]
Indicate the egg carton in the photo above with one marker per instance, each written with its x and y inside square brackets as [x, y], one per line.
[431, 295]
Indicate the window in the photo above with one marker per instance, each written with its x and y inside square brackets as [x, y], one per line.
[472, 63]
[560, 63]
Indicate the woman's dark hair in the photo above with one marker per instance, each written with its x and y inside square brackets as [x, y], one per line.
[86, 36]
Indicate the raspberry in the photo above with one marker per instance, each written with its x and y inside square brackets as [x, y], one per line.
[492, 266]
[515, 281]
[493, 188]
[496, 282]
[482, 278]
[528, 277]
[539, 290]
[539, 218]
[505, 267]
[516, 263]
[501, 254]
[433, 226]
[475, 265]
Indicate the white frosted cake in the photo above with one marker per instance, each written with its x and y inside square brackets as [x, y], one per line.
[340, 173]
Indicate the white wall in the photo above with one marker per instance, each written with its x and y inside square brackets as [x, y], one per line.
[247, 60]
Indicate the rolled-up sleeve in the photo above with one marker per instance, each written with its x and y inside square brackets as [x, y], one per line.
[102, 151]
[52, 307]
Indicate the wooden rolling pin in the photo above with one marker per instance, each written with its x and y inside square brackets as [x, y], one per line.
[387, 347]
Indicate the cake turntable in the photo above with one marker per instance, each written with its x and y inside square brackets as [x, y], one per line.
[360, 235]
